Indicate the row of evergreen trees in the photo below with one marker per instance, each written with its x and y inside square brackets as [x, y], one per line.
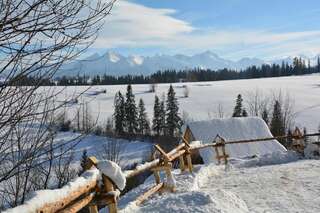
[299, 67]
[130, 119]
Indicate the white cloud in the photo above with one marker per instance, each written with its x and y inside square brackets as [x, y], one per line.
[132, 25]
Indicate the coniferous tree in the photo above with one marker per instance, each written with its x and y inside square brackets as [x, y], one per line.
[277, 126]
[156, 122]
[143, 122]
[162, 117]
[119, 113]
[130, 111]
[237, 112]
[173, 120]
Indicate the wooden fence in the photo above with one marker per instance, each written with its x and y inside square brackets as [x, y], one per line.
[94, 195]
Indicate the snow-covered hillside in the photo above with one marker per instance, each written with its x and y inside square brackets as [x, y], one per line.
[130, 152]
[206, 97]
[291, 187]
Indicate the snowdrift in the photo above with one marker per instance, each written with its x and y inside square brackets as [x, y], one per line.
[235, 129]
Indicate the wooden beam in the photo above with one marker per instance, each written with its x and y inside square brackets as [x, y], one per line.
[175, 150]
[176, 155]
[148, 193]
[202, 146]
[60, 204]
[162, 152]
[78, 205]
[142, 168]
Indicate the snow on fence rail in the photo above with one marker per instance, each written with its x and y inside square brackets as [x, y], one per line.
[99, 186]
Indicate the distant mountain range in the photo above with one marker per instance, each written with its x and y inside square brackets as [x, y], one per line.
[112, 63]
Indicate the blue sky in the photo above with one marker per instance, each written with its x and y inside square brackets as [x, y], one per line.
[232, 28]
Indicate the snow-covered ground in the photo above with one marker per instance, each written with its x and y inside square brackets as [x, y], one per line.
[205, 97]
[241, 187]
[130, 152]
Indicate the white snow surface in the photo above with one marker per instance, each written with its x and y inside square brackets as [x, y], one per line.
[232, 129]
[131, 152]
[112, 171]
[241, 187]
[206, 97]
[42, 197]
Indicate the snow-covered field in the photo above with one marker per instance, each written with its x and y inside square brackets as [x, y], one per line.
[130, 152]
[205, 97]
[244, 187]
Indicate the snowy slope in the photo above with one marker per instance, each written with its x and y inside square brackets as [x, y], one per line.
[291, 187]
[131, 152]
[205, 97]
[235, 129]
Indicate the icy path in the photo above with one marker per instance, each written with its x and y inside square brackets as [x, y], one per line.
[292, 187]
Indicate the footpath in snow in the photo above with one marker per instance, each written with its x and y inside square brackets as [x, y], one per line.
[242, 187]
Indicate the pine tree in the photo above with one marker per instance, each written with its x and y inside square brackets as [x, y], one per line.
[237, 112]
[143, 122]
[130, 111]
[156, 122]
[277, 123]
[173, 120]
[162, 115]
[265, 116]
[119, 113]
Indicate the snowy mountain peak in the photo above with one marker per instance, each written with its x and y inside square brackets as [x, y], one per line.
[136, 60]
[113, 57]
[207, 54]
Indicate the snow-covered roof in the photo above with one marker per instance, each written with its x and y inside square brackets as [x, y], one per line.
[235, 129]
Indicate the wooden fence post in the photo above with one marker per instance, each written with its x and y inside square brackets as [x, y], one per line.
[189, 160]
[181, 163]
[165, 165]
[187, 154]
[220, 142]
[168, 167]
[297, 141]
[156, 173]
[108, 187]
[90, 162]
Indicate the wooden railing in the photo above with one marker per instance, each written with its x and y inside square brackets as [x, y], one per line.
[95, 196]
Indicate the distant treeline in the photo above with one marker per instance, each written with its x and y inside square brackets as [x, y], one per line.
[298, 67]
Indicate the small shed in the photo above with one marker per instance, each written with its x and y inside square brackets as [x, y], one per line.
[232, 129]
